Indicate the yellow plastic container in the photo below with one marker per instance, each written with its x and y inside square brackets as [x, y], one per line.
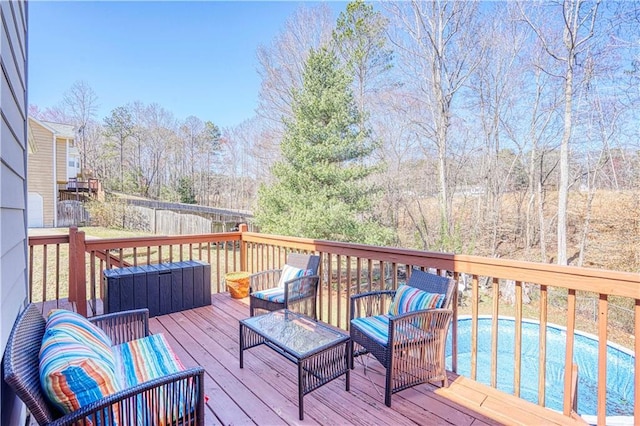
[237, 284]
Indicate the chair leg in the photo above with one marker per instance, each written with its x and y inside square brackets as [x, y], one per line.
[387, 388]
[351, 357]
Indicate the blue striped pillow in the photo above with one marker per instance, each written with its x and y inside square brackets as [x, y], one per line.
[79, 327]
[77, 366]
[290, 272]
[73, 374]
[410, 299]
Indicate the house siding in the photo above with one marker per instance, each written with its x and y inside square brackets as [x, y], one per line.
[40, 169]
[61, 163]
[13, 183]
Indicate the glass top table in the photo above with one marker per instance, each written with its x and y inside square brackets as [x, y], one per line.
[320, 351]
[295, 333]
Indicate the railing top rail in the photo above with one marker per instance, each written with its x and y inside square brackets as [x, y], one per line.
[626, 284]
[39, 240]
[130, 242]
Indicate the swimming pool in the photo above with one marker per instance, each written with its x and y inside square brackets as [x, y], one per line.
[620, 364]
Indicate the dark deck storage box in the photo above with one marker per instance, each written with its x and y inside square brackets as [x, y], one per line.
[162, 288]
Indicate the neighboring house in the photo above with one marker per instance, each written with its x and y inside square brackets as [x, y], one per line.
[13, 185]
[53, 160]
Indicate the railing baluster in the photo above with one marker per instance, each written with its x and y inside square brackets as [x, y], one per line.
[92, 277]
[568, 361]
[218, 266]
[475, 298]
[349, 282]
[602, 359]
[495, 332]
[31, 273]
[330, 287]
[45, 266]
[57, 275]
[339, 289]
[358, 274]
[517, 350]
[370, 266]
[542, 343]
[454, 328]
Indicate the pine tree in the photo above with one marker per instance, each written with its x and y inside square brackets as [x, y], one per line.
[320, 188]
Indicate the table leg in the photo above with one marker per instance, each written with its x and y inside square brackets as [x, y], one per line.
[300, 391]
[349, 348]
[241, 346]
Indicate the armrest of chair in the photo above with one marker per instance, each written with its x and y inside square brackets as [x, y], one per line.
[423, 325]
[124, 326]
[182, 394]
[371, 303]
[264, 280]
[301, 287]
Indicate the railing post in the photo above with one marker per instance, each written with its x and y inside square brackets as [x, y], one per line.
[77, 271]
[243, 247]
[73, 230]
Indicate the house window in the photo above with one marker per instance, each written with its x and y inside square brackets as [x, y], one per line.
[72, 163]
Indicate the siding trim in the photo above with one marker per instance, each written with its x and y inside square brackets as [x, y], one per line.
[55, 182]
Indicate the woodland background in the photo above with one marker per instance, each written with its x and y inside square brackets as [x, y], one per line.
[504, 129]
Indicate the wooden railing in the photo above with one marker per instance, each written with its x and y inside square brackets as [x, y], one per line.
[348, 269]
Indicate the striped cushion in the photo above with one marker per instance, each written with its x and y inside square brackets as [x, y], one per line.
[141, 360]
[272, 294]
[74, 374]
[377, 328]
[145, 359]
[289, 272]
[76, 327]
[410, 299]
[79, 326]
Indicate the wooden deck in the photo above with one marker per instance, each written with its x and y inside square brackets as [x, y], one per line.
[264, 392]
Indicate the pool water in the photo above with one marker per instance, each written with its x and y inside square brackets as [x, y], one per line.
[620, 365]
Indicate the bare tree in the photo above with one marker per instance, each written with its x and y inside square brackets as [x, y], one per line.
[282, 62]
[81, 104]
[579, 21]
[438, 47]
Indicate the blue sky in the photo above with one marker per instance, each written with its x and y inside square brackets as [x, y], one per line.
[192, 58]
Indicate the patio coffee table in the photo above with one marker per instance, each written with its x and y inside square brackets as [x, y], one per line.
[320, 352]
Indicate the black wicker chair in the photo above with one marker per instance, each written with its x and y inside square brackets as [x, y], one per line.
[412, 349]
[299, 294]
[21, 360]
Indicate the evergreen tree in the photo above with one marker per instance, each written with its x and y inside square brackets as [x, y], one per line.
[186, 191]
[320, 188]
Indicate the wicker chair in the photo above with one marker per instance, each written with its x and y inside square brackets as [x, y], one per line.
[298, 294]
[412, 347]
[184, 390]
